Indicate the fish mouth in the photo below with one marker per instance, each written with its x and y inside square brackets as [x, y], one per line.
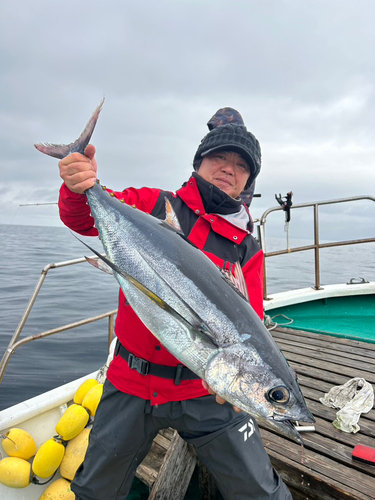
[304, 416]
[291, 428]
[287, 426]
[307, 418]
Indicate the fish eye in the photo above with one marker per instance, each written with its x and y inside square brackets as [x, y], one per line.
[278, 394]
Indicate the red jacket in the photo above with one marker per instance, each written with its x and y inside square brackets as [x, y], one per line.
[222, 241]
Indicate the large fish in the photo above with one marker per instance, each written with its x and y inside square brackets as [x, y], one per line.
[191, 306]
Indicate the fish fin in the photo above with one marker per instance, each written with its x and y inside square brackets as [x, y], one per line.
[240, 281]
[236, 280]
[78, 146]
[171, 217]
[200, 326]
[200, 330]
[99, 264]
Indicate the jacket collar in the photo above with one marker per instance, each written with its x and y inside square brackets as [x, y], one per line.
[190, 193]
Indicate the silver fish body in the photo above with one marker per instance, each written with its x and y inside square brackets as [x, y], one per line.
[186, 302]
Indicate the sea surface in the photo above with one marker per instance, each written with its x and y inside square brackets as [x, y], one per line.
[76, 292]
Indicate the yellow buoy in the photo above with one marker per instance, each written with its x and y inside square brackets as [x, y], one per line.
[72, 422]
[92, 399]
[48, 458]
[15, 472]
[58, 490]
[74, 455]
[83, 389]
[18, 443]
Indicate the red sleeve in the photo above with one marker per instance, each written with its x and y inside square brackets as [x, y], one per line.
[253, 273]
[76, 214]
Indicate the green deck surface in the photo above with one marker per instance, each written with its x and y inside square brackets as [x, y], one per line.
[350, 317]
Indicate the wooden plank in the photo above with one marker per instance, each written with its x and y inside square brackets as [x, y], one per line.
[325, 428]
[168, 433]
[315, 474]
[176, 471]
[331, 364]
[311, 486]
[319, 385]
[325, 357]
[318, 351]
[338, 445]
[329, 367]
[319, 374]
[339, 452]
[325, 341]
[298, 495]
[149, 469]
[365, 349]
[163, 441]
[319, 336]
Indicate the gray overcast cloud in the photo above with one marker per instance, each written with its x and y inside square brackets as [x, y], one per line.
[300, 72]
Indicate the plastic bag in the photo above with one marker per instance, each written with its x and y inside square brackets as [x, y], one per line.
[353, 398]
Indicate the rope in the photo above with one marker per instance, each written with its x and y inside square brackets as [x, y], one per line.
[36, 481]
[271, 325]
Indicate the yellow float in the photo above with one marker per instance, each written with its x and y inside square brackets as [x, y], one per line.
[15, 472]
[83, 389]
[58, 490]
[18, 443]
[48, 458]
[72, 422]
[92, 399]
[74, 455]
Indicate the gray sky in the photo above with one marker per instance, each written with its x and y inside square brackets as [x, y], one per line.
[301, 73]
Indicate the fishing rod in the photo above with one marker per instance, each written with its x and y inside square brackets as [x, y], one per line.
[30, 204]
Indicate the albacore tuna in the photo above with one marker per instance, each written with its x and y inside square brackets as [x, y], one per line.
[190, 306]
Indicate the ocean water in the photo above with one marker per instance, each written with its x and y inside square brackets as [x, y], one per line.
[73, 293]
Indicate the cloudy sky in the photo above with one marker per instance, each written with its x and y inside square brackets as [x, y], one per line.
[301, 72]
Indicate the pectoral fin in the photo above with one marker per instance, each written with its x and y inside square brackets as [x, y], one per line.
[236, 280]
[99, 264]
[171, 216]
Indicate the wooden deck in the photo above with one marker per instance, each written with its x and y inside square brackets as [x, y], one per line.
[323, 469]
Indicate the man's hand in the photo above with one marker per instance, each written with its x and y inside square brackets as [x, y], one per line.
[219, 399]
[79, 171]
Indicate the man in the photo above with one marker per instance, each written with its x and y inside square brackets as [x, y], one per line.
[147, 389]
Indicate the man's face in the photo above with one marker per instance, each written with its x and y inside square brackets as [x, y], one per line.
[226, 170]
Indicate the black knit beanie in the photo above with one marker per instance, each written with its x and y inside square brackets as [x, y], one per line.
[228, 133]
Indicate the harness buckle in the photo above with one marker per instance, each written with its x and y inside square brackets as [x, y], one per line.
[140, 365]
[177, 378]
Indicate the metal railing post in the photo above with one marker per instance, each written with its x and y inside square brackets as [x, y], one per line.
[316, 249]
[111, 324]
[262, 242]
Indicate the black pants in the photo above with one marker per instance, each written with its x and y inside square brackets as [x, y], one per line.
[228, 443]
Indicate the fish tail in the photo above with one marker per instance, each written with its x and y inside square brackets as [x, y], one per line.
[78, 146]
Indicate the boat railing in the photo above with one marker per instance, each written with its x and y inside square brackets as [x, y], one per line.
[316, 246]
[15, 343]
